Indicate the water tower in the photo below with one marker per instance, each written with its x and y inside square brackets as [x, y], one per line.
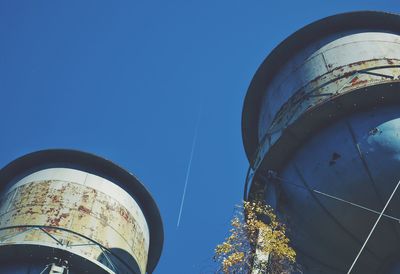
[321, 129]
[65, 211]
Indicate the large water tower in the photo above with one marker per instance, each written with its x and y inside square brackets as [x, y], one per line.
[321, 129]
[65, 211]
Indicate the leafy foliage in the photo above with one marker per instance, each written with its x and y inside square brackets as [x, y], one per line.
[256, 233]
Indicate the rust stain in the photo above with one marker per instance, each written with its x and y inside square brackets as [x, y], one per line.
[50, 210]
[103, 219]
[361, 82]
[347, 74]
[124, 213]
[356, 81]
[56, 221]
[99, 216]
[359, 63]
[49, 230]
[30, 211]
[355, 64]
[55, 199]
[86, 210]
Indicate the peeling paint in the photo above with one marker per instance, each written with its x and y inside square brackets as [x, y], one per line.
[76, 207]
[324, 87]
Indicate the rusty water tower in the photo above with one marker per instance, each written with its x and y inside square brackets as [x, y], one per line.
[321, 129]
[65, 211]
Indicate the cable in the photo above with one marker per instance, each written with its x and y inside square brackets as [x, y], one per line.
[373, 228]
[356, 205]
[336, 198]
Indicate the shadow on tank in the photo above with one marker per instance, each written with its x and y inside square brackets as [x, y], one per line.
[119, 261]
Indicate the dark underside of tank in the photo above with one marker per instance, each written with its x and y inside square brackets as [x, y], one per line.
[333, 188]
[36, 259]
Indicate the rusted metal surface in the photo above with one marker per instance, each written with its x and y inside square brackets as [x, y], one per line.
[325, 60]
[50, 198]
[324, 70]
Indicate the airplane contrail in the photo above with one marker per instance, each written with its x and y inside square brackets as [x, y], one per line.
[189, 166]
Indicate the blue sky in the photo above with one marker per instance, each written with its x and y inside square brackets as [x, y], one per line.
[126, 79]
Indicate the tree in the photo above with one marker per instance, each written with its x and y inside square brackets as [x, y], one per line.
[256, 232]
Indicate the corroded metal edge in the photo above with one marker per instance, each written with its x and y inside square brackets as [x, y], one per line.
[99, 166]
[371, 20]
[320, 91]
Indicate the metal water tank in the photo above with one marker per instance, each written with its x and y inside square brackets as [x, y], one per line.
[66, 211]
[321, 129]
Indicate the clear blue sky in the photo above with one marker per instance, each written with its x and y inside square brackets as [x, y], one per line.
[125, 80]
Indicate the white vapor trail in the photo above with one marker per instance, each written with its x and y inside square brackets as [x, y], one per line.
[189, 167]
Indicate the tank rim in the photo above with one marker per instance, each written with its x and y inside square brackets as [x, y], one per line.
[373, 20]
[99, 166]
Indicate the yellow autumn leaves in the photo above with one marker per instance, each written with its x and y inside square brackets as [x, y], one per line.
[255, 227]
